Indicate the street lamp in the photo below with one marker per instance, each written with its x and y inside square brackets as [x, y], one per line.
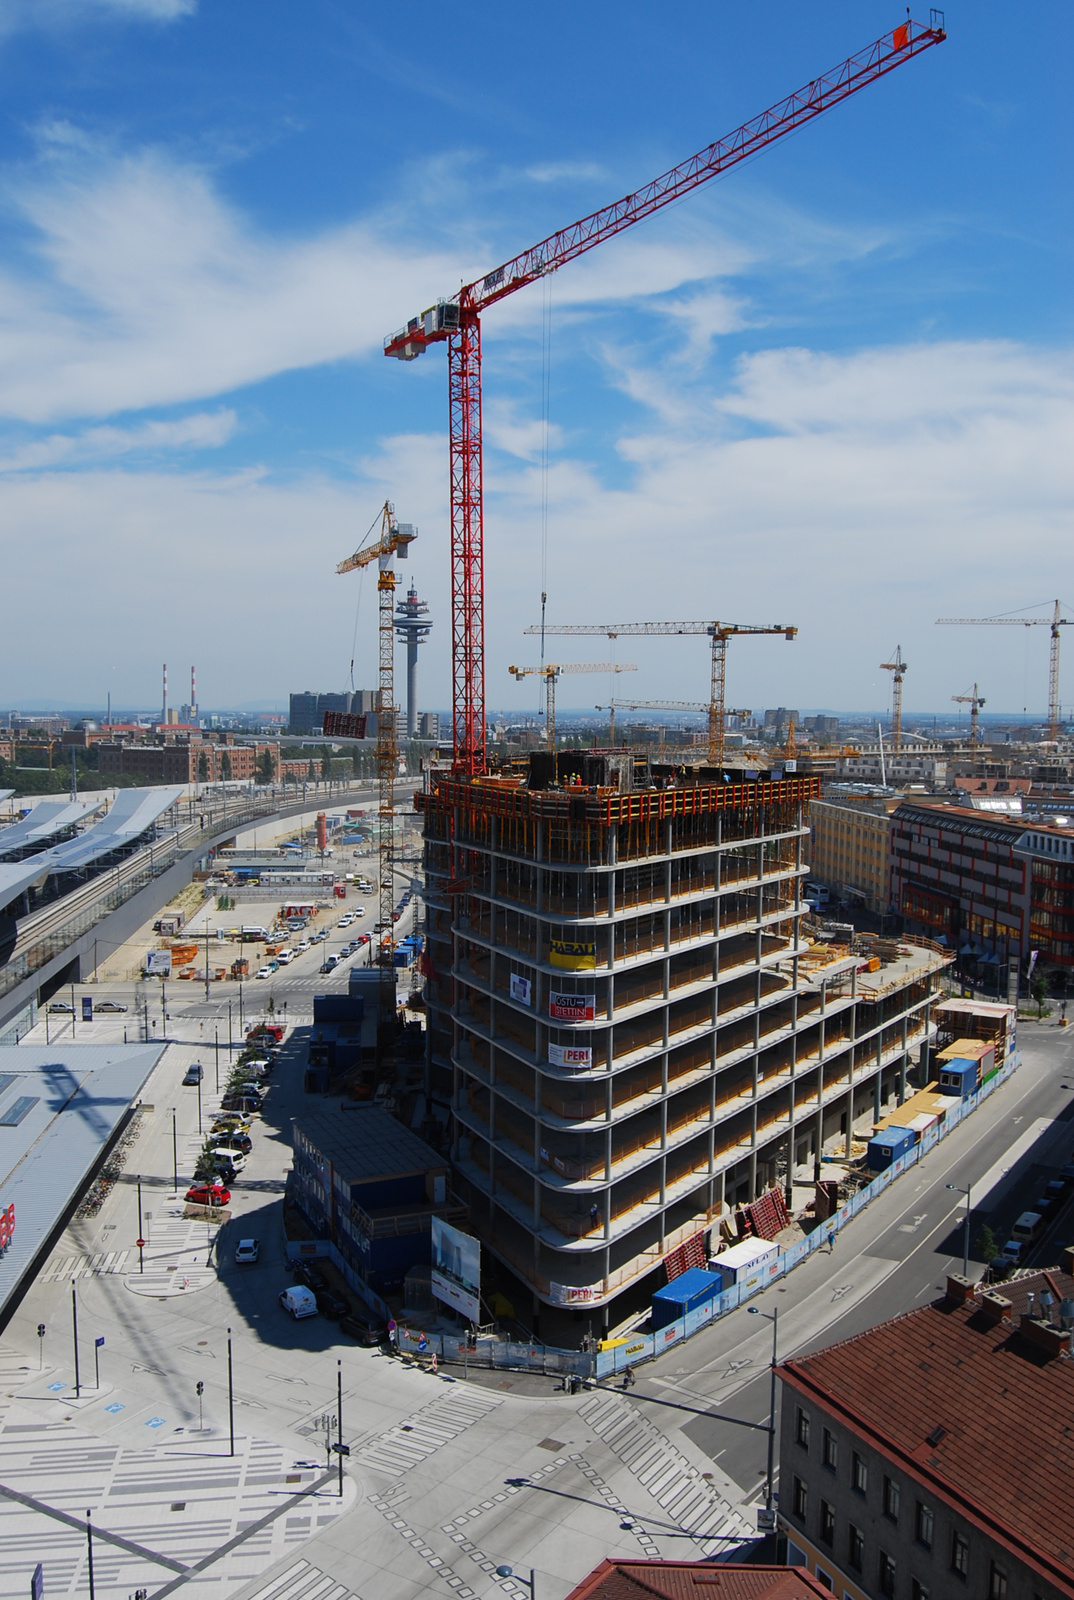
[769, 1493]
[966, 1231]
[509, 1572]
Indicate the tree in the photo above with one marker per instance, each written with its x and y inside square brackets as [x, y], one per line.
[1038, 988]
[225, 767]
[326, 762]
[266, 765]
[311, 771]
[985, 1247]
[203, 768]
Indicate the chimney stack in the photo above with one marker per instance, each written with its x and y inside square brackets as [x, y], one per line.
[959, 1289]
[1067, 1263]
[996, 1307]
[1044, 1335]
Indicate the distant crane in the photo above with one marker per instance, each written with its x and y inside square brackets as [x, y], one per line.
[975, 702]
[655, 705]
[457, 322]
[898, 668]
[1055, 622]
[395, 540]
[718, 632]
[550, 673]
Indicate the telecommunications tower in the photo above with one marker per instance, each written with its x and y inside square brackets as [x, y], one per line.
[412, 624]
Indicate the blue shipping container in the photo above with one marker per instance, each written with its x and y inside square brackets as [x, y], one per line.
[888, 1146]
[684, 1293]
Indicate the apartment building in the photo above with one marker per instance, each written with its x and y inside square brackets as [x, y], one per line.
[930, 1457]
[629, 1030]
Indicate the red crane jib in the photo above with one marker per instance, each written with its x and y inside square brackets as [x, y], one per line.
[457, 321]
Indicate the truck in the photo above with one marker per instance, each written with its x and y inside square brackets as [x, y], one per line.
[253, 935]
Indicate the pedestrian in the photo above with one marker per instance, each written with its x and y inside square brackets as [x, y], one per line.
[831, 1240]
[628, 1377]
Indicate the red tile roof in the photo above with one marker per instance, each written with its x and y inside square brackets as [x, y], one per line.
[696, 1580]
[974, 1409]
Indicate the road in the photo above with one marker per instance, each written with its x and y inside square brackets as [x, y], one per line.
[446, 1480]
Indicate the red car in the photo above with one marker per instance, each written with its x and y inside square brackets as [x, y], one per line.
[206, 1194]
[265, 1030]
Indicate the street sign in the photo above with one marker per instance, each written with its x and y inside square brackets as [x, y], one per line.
[141, 1245]
[37, 1583]
[99, 1342]
[87, 1008]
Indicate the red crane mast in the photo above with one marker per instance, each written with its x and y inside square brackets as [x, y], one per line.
[458, 322]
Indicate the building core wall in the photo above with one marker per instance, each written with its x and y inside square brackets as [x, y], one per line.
[635, 1044]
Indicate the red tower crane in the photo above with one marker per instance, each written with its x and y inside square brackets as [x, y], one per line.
[458, 322]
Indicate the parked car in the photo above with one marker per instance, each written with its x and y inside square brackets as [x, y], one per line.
[231, 1122]
[247, 1252]
[303, 944]
[363, 938]
[366, 1332]
[285, 957]
[330, 964]
[229, 1155]
[359, 911]
[208, 1194]
[246, 1103]
[309, 1273]
[111, 1006]
[194, 1075]
[257, 1064]
[330, 1305]
[231, 1139]
[298, 1301]
[264, 1031]
[265, 972]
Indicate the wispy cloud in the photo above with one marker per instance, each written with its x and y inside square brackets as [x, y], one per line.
[19, 14]
[564, 171]
[202, 431]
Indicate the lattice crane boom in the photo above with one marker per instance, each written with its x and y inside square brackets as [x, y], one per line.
[457, 321]
[718, 632]
[551, 671]
[1054, 622]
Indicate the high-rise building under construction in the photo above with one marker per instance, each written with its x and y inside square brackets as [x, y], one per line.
[633, 1034]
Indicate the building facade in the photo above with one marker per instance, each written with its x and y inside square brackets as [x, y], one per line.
[930, 1457]
[632, 1034]
[849, 845]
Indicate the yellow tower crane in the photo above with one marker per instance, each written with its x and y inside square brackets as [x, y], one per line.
[975, 701]
[550, 673]
[1054, 622]
[395, 539]
[898, 668]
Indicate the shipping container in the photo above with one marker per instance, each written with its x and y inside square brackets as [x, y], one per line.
[888, 1146]
[739, 1263]
[684, 1293]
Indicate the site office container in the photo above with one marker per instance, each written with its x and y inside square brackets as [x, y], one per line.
[744, 1262]
[684, 1293]
[888, 1146]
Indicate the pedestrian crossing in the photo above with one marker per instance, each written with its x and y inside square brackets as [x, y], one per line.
[302, 1581]
[82, 1266]
[674, 1483]
[426, 1431]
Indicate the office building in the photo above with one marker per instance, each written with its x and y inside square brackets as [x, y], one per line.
[633, 1036]
[849, 845]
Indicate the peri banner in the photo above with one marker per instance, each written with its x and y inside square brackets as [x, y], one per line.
[572, 1007]
[573, 955]
[578, 1056]
[158, 964]
[569, 1294]
[456, 1269]
[521, 989]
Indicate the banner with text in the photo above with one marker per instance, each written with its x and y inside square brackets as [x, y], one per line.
[456, 1269]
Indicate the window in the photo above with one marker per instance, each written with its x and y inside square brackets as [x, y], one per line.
[827, 1531]
[855, 1548]
[831, 1450]
[923, 1525]
[886, 1573]
[801, 1428]
[918, 1590]
[859, 1475]
[960, 1554]
[824, 1578]
[997, 1583]
[891, 1500]
[801, 1499]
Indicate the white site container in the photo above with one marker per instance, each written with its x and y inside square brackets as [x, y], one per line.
[745, 1263]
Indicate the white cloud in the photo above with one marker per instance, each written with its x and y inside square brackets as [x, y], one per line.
[56, 14]
[204, 430]
[860, 526]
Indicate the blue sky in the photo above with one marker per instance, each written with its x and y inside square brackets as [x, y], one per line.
[833, 389]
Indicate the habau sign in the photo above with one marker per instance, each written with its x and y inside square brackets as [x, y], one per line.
[572, 1007]
[7, 1226]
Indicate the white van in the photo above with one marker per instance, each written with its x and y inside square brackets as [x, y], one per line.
[1028, 1227]
[299, 1301]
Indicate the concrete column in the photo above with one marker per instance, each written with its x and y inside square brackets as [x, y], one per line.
[850, 1117]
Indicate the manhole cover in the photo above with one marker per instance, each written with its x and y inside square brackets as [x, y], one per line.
[551, 1444]
[178, 1505]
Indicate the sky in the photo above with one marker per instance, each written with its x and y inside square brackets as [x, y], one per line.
[833, 389]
